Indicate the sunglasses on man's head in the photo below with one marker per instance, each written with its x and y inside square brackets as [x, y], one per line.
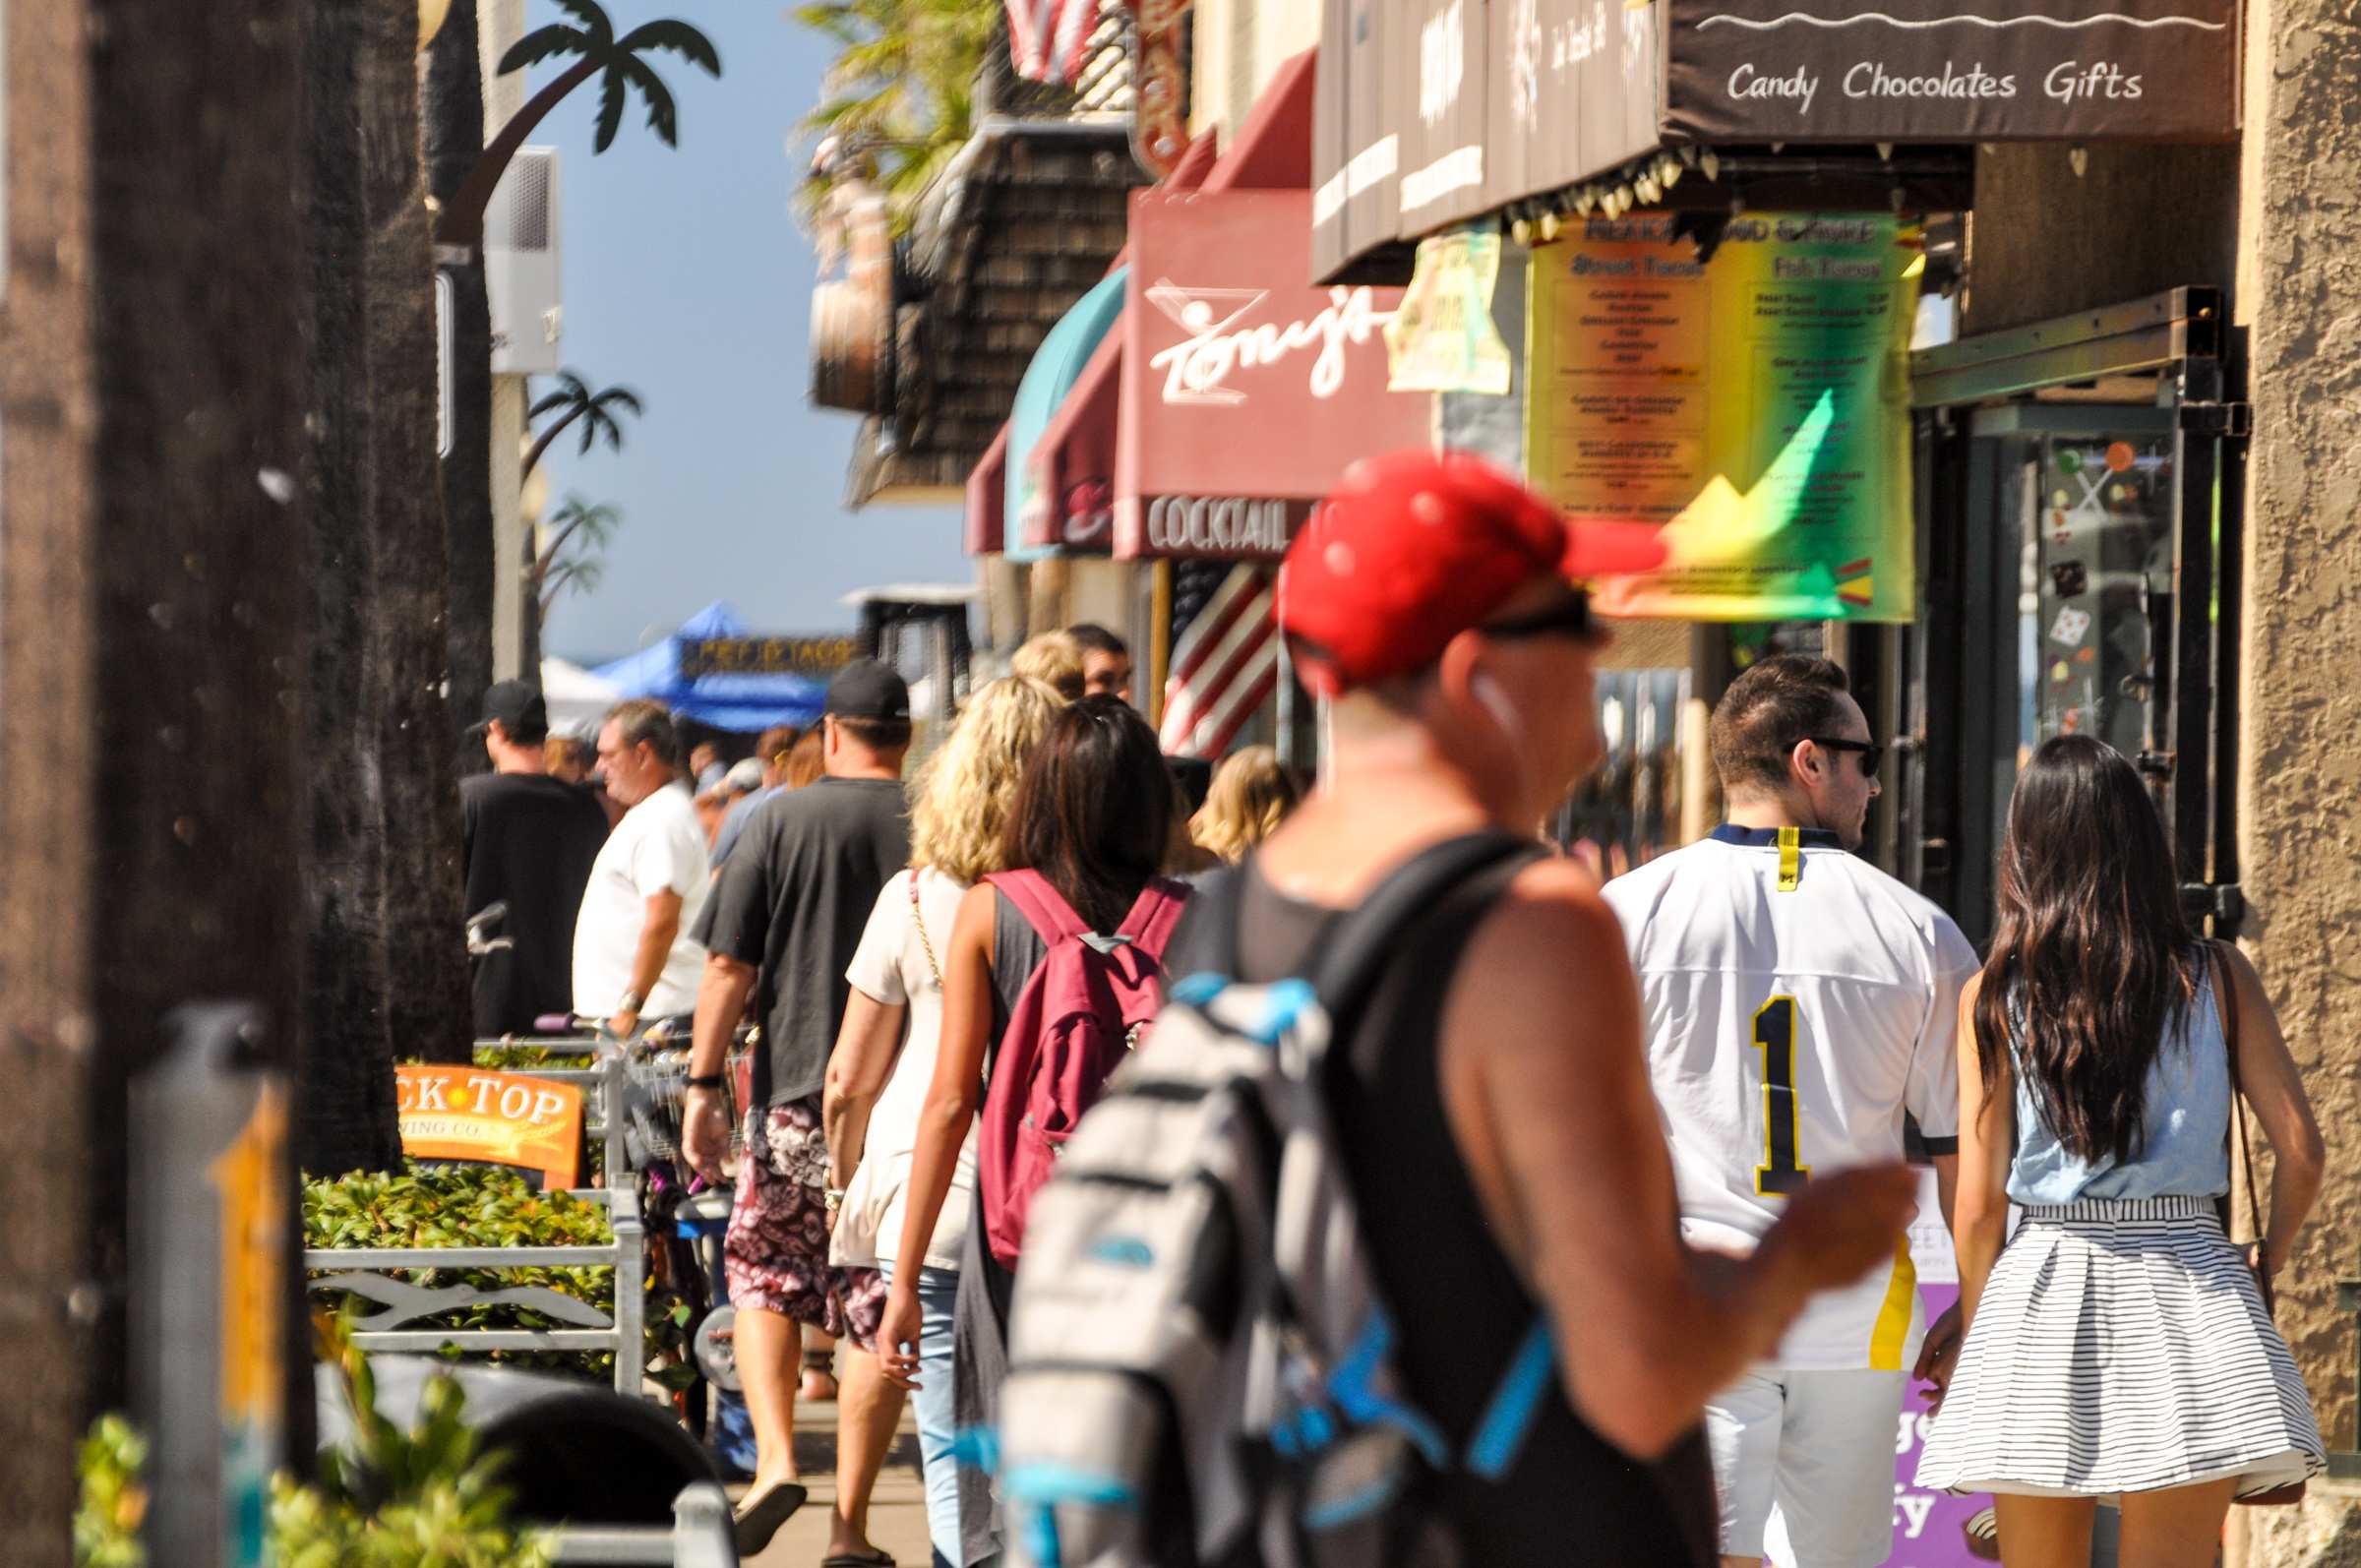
[1571, 618]
[1871, 750]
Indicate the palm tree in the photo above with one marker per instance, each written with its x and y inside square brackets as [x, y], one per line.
[577, 534]
[900, 97]
[574, 394]
[618, 64]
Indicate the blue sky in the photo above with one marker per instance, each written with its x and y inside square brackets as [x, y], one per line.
[686, 279]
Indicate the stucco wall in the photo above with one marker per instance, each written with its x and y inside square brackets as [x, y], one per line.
[2300, 788]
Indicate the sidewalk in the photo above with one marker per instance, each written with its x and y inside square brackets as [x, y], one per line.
[898, 1512]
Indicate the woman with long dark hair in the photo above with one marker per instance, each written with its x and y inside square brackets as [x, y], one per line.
[2119, 1344]
[1093, 816]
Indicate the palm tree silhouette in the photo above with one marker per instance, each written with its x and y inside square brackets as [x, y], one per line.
[577, 534]
[574, 394]
[618, 65]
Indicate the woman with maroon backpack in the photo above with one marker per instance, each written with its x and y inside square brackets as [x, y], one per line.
[1051, 970]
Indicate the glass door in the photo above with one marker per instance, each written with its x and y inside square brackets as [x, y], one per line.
[2061, 538]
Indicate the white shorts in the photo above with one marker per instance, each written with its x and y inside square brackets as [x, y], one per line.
[1820, 1446]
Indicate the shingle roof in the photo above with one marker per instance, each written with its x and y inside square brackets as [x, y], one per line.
[1026, 219]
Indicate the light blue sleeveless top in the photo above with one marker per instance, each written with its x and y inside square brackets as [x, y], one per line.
[2186, 1118]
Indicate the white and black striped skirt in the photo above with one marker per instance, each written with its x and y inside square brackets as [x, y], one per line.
[2121, 1345]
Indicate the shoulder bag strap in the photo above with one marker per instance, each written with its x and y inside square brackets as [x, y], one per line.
[918, 918]
[2225, 993]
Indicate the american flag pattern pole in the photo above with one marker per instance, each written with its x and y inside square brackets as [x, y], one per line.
[1047, 38]
[1225, 654]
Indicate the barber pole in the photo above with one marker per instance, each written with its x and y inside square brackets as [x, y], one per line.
[1225, 660]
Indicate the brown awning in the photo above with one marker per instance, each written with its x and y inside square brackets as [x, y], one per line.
[1434, 111]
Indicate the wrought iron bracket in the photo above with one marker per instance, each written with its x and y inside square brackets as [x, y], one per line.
[2227, 421]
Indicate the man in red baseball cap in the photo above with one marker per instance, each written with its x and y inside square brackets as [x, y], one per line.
[1491, 1098]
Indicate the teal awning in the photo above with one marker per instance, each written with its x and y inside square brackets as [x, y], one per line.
[1055, 367]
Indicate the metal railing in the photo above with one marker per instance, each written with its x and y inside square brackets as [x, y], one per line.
[621, 1331]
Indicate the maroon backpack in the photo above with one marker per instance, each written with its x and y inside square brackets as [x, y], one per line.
[1073, 1024]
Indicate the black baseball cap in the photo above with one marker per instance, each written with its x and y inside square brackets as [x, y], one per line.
[866, 688]
[518, 707]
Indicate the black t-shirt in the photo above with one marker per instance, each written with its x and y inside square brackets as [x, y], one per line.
[531, 839]
[793, 898]
[1461, 1308]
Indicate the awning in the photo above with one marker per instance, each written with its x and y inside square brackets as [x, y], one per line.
[1040, 507]
[1216, 263]
[1070, 460]
[1071, 468]
[1247, 390]
[1434, 111]
[984, 523]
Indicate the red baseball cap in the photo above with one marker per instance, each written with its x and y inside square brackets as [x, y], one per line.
[1418, 546]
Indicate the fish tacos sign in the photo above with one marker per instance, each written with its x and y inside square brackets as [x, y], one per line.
[1952, 70]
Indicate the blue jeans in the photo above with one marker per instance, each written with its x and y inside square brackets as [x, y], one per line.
[938, 1292]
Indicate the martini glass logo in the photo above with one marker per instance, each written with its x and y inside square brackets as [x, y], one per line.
[1197, 369]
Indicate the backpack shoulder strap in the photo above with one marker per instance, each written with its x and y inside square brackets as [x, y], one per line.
[1353, 954]
[1154, 913]
[1053, 919]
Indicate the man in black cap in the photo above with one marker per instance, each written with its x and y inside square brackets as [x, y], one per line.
[784, 920]
[529, 843]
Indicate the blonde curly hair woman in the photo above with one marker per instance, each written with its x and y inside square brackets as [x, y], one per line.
[1251, 794]
[1055, 657]
[878, 1078]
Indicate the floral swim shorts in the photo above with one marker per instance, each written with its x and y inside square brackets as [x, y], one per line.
[775, 1255]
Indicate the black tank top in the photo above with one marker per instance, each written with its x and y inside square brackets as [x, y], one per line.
[1571, 1498]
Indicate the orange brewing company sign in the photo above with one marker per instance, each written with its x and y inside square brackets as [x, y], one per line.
[492, 1118]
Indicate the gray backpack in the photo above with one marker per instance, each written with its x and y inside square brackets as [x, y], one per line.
[1200, 1367]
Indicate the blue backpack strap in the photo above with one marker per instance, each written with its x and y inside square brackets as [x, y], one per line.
[1516, 1402]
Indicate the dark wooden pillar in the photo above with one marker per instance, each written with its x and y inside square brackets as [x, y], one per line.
[150, 649]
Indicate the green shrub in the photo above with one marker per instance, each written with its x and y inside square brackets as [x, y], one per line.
[426, 1498]
[106, 1526]
[428, 1205]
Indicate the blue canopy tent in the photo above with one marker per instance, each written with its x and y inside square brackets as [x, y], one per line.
[740, 702]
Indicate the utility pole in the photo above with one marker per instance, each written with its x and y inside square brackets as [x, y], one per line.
[152, 541]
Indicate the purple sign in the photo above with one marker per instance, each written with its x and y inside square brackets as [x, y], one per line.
[1926, 1524]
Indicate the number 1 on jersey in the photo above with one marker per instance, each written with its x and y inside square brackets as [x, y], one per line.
[1776, 1027]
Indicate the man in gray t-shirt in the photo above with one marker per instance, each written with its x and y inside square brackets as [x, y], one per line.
[782, 924]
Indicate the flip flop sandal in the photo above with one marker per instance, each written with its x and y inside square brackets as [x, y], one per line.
[1982, 1530]
[856, 1559]
[760, 1517]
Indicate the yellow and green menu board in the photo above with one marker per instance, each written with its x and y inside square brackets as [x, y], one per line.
[1755, 404]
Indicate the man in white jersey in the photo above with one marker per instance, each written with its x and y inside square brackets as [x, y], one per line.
[1797, 1000]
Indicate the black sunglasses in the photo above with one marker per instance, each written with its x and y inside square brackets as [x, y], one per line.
[1871, 752]
[1571, 618]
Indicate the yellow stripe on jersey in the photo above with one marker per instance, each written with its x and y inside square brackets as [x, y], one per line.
[1893, 1330]
[1791, 859]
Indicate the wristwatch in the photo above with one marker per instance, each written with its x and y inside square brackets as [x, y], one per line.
[836, 1198]
[705, 1080]
[632, 1002]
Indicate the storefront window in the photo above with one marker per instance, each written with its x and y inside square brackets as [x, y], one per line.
[1628, 813]
[2094, 590]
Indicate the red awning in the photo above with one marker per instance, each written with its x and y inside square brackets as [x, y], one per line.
[1074, 458]
[1073, 461]
[985, 523]
[1245, 389]
[1273, 149]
